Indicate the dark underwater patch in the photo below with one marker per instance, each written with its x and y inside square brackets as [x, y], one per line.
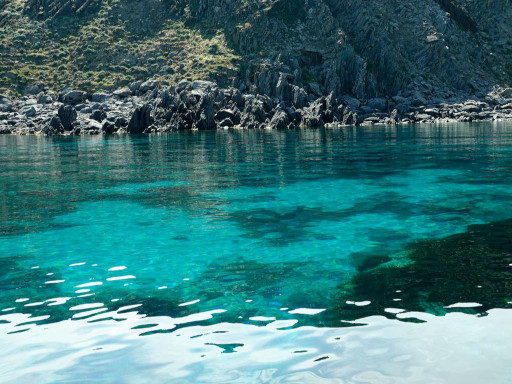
[470, 267]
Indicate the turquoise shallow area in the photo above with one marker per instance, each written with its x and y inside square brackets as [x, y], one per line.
[232, 227]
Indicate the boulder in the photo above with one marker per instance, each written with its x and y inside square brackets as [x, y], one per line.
[200, 87]
[122, 92]
[141, 119]
[226, 123]
[44, 99]
[134, 87]
[31, 90]
[73, 97]
[377, 103]
[206, 118]
[149, 86]
[28, 111]
[280, 120]
[67, 115]
[315, 89]
[99, 97]
[227, 114]
[99, 115]
[351, 101]
[108, 127]
[507, 92]
[56, 125]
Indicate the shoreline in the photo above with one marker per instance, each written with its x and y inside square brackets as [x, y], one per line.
[150, 107]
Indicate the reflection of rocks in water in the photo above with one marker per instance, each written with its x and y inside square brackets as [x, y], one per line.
[470, 267]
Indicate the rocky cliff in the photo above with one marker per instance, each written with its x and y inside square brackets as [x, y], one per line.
[277, 63]
[364, 48]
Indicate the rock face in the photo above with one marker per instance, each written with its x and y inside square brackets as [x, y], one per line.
[67, 115]
[141, 119]
[367, 48]
[203, 105]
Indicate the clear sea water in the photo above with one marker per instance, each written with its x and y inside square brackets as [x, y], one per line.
[309, 256]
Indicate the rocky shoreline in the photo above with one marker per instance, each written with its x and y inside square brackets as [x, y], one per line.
[150, 107]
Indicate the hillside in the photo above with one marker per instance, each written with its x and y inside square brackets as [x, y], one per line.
[357, 47]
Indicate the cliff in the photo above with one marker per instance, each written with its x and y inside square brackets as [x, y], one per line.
[357, 47]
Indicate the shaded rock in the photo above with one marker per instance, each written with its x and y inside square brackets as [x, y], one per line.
[280, 120]
[149, 85]
[99, 115]
[122, 92]
[108, 127]
[206, 114]
[67, 115]
[99, 97]
[350, 101]
[44, 99]
[507, 92]
[141, 119]
[226, 123]
[227, 114]
[54, 127]
[73, 97]
[377, 103]
[121, 122]
[315, 89]
[28, 111]
[31, 90]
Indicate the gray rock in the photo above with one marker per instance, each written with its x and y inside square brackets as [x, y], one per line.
[206, 118]
[350, 101]
[73, 97]
[28, 111]
[507, 92]
[31, 90]
[99, 115]
[280, 120]
[226, 123]
[227, 114]
[377, 103]
[108, 127]
[141, 119]
[134, 87]
[44, 99]
[149, 85]
[122, 92]
[200, 87]
[54, 127]
[182, 85]
[67, 115]
[99, 97]
[315, 89]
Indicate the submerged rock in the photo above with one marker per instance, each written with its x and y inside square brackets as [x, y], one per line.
[469, 267]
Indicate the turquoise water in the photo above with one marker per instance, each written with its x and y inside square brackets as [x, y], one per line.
[163, 258]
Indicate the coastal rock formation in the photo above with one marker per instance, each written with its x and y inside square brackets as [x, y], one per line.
[204, 105]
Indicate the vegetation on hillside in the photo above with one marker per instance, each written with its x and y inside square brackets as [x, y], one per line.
[106, 44]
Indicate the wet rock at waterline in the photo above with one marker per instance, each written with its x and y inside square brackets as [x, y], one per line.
[203, 105]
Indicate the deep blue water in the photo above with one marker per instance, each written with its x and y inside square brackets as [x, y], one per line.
[251, 256]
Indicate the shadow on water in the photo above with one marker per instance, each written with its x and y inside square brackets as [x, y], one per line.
[474, 267]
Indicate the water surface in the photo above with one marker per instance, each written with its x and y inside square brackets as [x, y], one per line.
[348, 255]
